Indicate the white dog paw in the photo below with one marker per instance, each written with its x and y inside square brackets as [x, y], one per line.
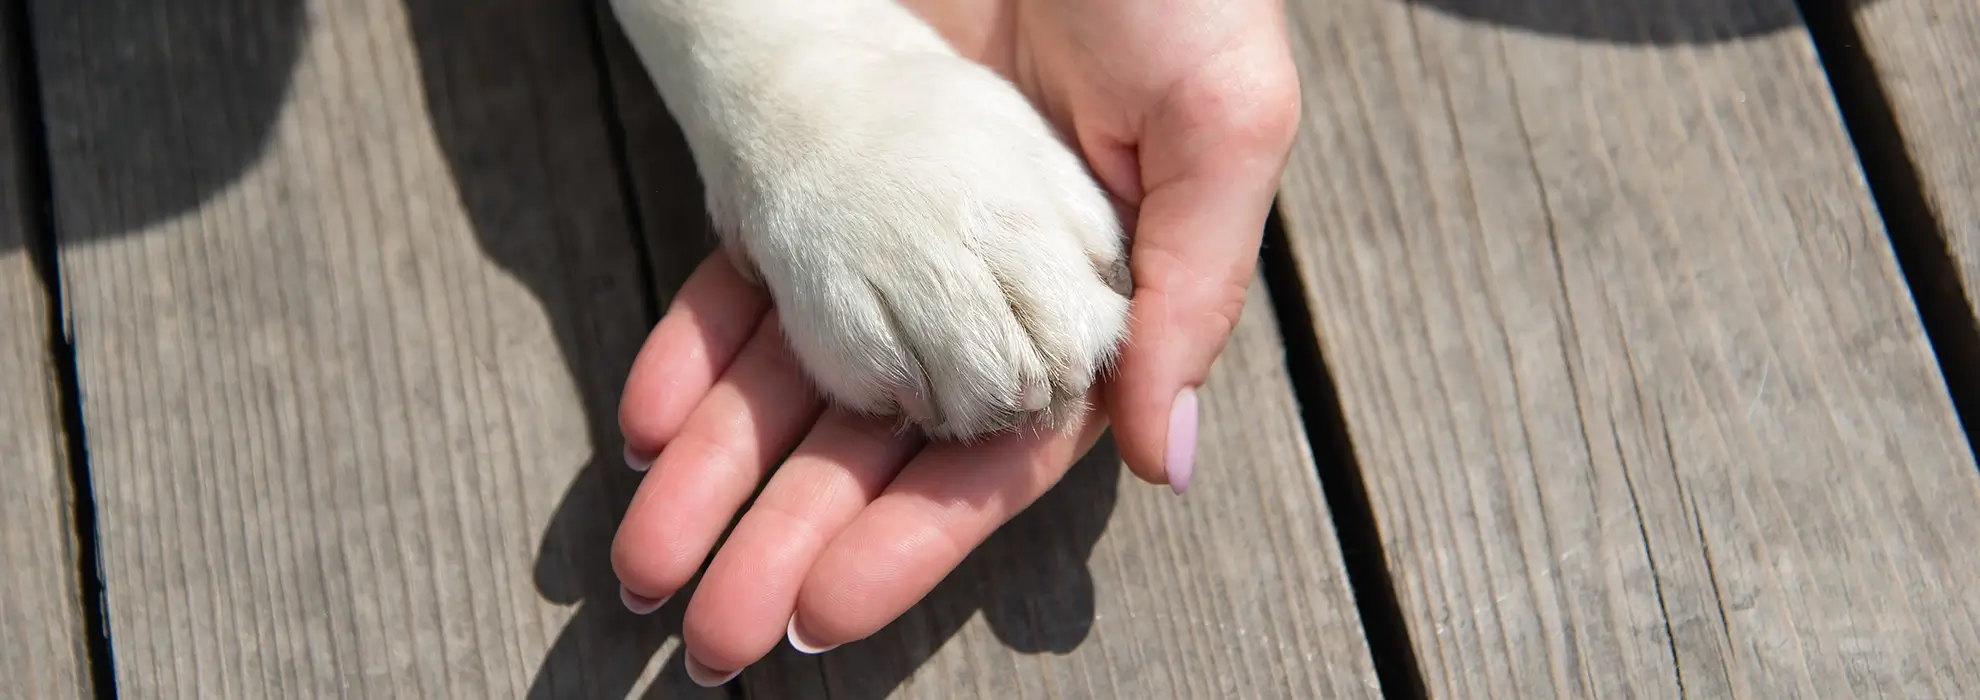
[934, 250]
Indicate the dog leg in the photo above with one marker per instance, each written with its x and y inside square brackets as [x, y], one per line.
[934, 250]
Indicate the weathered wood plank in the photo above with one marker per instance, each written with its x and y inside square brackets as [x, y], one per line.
[42, 651]
[1641, 402]
[1107, 587]
[1111, 589]
[354, 290]
[1926, 56]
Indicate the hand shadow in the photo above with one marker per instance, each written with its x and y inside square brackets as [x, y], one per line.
[1030, 581]
[603, 649]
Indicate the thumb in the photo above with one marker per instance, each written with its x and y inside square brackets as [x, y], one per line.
[1194, 254]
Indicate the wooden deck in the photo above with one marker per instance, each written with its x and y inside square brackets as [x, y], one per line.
[1602, 348]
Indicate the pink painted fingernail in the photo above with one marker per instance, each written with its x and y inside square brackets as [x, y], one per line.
[1182, 440]
[639, 604]
[798, 642]
[636, 461]
[704, 676]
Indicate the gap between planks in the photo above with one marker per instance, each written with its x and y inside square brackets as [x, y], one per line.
[1928, 215]
[46, 402]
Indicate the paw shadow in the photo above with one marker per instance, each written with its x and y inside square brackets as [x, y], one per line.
[169, 104]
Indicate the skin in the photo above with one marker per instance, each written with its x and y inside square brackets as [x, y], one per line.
[1185, 110]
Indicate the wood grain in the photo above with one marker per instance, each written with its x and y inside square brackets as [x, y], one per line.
[1642, 404]
[42, 652]
[354, 289]
[1107, 587]
[1926, 56]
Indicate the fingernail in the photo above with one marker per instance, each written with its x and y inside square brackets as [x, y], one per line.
[639, 604]
[638, 462]
[1182, 440]
[704, 676]
[797, 640]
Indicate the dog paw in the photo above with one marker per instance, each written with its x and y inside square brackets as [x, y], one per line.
[935, 252]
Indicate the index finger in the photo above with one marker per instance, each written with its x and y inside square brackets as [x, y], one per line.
[1211, 165]
[714, 313]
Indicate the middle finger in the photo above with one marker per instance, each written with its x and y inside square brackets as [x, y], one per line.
[744, 604]
[759, 407]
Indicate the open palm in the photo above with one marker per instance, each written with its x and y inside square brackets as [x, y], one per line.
[1185, 111]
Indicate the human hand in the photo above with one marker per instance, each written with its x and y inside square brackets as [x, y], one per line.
[1185, 110]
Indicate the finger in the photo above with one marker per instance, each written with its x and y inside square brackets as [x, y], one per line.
[942, 506]
[747, 420]
[1211, 175]
[714, 313]
[743, 606]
